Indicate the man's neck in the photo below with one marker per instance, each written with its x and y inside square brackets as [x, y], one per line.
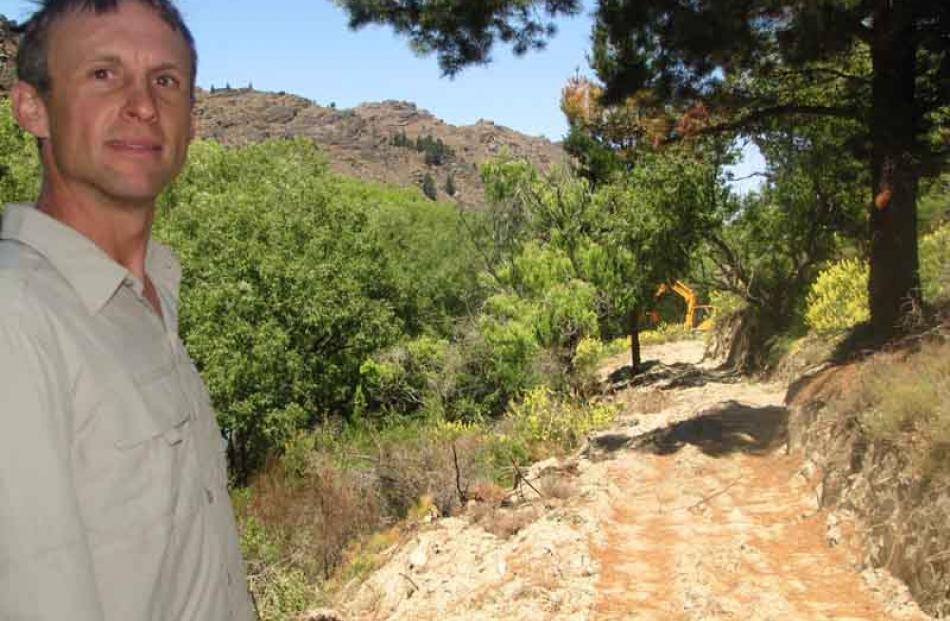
[121, 231]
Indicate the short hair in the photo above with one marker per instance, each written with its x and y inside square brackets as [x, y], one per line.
[31, 59]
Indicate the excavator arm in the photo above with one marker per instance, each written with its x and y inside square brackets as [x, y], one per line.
[682, 290]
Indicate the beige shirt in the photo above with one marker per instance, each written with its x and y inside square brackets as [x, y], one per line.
[113, 486]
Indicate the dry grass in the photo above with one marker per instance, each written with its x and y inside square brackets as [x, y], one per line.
[307, 520]
[323, 513]
[500, 521]
[315, 516]
[557, 485]
[487, 492]
[904, 398]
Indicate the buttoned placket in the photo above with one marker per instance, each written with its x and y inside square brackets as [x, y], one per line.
[177, 353]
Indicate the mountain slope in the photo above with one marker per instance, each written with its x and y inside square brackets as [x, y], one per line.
[359, 141]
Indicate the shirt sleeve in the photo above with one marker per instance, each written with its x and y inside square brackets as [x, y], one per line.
[45, 562]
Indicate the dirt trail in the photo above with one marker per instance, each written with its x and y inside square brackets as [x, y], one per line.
[710, 519]
[689, 509]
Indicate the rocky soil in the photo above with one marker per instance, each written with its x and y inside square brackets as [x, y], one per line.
[688, 509]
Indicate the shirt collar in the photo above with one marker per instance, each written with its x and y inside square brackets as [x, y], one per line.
[89, 271]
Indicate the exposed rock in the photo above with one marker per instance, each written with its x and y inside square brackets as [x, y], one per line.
[324, 614]
[359, 140]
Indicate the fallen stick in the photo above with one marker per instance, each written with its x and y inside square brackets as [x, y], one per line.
[520, 477]
[411, 581]
[706, 499]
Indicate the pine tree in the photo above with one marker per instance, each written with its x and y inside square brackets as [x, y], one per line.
[450, 185]
[428, 187]
[714, 61]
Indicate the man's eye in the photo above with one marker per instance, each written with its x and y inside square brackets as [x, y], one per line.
[100, 74]
[167, 81]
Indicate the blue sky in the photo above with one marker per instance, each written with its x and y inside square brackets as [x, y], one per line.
[305, 47]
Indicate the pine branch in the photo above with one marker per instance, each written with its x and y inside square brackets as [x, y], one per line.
[750, 119]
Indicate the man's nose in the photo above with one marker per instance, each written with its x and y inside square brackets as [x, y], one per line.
[140, 102]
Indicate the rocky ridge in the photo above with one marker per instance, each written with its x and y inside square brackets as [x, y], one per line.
[360, 141]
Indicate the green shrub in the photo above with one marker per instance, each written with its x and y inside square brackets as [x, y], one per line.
[508, 327]
[282, 591]
[544, 423]
[19, 163]
[406, 379]
[725, 303]
[838, 299]
[307, 275]
[935, 265]
[588, 357]
[276, 267]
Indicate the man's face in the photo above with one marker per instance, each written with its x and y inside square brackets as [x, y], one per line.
[119, 108]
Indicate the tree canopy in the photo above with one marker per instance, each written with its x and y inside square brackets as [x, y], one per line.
[686, 68]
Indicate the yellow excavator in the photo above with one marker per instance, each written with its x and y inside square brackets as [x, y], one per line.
[694, 311]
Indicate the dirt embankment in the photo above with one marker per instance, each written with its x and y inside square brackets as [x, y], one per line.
[690, 508]
[904, 513]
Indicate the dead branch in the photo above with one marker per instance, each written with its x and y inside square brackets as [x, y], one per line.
[521, 478]
[706, 499]
[463, 494]
[411, 581]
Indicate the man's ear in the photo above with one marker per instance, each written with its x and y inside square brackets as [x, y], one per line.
[29, 109]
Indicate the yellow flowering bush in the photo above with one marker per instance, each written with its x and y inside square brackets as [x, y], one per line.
[542, 421]
[839, 297]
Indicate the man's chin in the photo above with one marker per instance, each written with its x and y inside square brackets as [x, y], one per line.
[135, 192]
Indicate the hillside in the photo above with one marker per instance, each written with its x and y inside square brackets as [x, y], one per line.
[359, 141]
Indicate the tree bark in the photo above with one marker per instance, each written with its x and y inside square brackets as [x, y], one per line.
[634, 325]
[894, 285]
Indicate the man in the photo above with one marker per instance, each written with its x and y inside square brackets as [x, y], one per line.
[113, 497]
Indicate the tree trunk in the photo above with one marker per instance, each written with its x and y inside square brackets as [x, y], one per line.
[634, 320]
[894, 286]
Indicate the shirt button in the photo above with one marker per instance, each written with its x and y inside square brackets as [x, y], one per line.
[209, 495]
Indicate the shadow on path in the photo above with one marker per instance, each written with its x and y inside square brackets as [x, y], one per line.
[730, 427]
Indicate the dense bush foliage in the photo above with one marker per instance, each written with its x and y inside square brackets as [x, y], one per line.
[935, 265]
[19, 163]
[772, 243]
[293, 277]
[838, 299]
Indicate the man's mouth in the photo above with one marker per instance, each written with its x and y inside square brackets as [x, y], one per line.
[144, 147]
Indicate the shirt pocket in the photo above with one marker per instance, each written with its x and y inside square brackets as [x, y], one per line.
[214, 446]
[140, 472]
